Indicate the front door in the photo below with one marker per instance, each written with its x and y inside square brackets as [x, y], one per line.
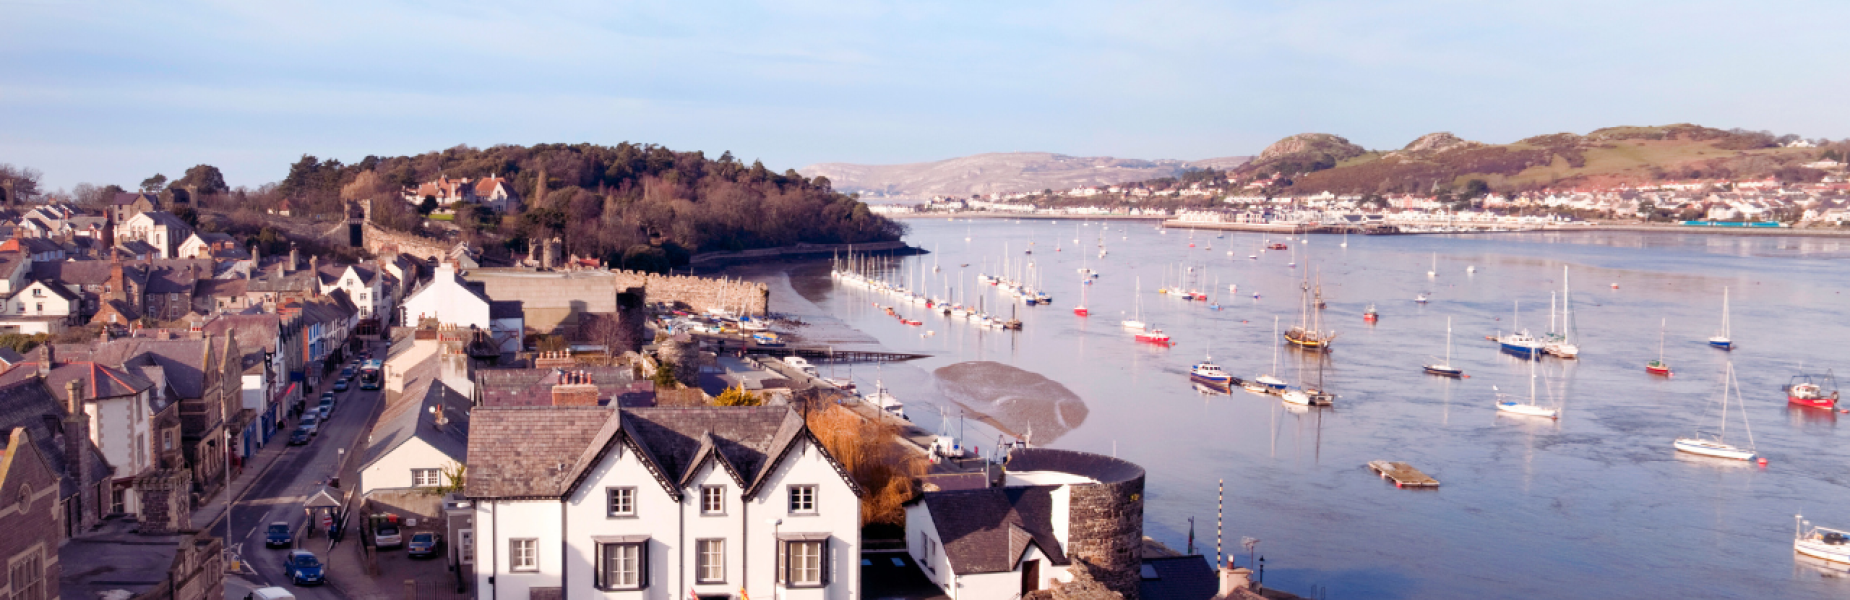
[1030, 576]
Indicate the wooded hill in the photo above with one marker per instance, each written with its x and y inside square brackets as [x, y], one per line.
[1438, 162]
[635, 205]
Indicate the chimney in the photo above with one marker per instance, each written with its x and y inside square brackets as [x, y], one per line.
[76, 435]
[293, 261]
[45, 360]
[574, 389]
[1233, 579]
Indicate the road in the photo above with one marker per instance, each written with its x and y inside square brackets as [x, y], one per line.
[278, 493]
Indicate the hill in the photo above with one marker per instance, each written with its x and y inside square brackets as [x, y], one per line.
[1309, 163]
[1007, 172]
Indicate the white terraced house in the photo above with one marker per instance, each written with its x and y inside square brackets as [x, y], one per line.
[665, 503]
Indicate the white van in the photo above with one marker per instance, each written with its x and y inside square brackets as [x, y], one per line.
[270, 593]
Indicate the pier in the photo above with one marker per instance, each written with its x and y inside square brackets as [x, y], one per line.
[733, 343]
[1402, 474]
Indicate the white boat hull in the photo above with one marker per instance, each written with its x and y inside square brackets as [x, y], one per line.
[1528, 410]
[1133, 325]
[1562, 350]
[1816, 548]
[1297, 397]
[1711, 448]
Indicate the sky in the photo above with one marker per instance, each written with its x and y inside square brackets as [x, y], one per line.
[113, 92]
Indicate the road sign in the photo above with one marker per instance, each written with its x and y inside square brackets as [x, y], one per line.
[327, 520]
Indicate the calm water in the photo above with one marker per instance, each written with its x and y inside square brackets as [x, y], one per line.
[1594, 505]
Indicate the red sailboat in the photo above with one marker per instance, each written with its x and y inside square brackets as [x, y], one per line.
[1659, 367]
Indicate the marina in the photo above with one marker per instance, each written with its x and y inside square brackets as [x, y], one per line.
[1575, 496]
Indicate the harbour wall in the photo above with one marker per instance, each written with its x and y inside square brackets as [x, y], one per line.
[550, 299]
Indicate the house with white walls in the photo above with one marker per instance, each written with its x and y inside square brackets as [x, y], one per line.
[976, 540]
[159, 229]
[665, 503]
[422, 435]
[451, 300]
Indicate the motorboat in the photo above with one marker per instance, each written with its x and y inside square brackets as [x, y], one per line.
[1371, 315]
[1819, 542]
[1154, 336]
[1207, 371]
[1816, 391]
[885, 401]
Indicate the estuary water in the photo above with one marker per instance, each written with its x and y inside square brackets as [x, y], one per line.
[1596, 504]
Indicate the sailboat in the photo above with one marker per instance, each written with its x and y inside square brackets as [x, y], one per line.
[1562, 343]
[1446, 369]
[1268, 382]
[1135, 323]
[1716, 444]
[1434, 272]
[1819, 542]
[1519, 342]
[1308, 333]
[1530, 408]
[1659, 367]
[1345, 243]
[1721, 339]
[1081, 309]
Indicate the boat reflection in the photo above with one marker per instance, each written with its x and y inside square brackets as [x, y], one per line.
[1803, 416]
[1810, 565]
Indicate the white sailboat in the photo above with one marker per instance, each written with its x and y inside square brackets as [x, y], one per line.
[1345, 243]
[1721, 339]
[1434, 271]
[1268, 381]
[1819, 542]
[1135, 323]
[1563, 343]
[1715, 443]
[1530, 408]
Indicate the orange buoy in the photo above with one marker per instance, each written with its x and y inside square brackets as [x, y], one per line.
[1762, 461]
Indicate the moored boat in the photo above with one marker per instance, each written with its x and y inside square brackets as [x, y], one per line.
[1816, 391]
[1371, 315]
[1819, 542]
[1445, 369]
[1722, 339]
[1207, 371]
[1715, 444]
[1659, 366]
[1154, 336]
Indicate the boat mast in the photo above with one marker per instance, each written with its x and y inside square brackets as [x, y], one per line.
[1448, 342]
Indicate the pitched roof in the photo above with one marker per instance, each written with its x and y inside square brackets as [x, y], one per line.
[181, 361]
[127, 198]
[1178, 577]
[29, 405]
[523, 452]
[100, 381]
[533, 387]
[987, 530]
[410, 417]
[163, 218]
[505, 309]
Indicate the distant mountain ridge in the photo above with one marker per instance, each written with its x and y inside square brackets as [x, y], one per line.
[1003, 173]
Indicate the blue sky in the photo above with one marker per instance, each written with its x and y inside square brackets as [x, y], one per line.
[111, 92]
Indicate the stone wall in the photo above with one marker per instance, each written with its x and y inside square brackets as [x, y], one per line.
[377, 239]
[720, 259]
[1106, 530]
[551, 299]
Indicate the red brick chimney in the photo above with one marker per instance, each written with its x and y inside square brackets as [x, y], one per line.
[76, 436]
[574, 389]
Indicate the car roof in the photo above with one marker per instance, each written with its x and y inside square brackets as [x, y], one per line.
[283, 523]
[299, 553]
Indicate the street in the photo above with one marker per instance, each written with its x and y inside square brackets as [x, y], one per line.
[284, 484]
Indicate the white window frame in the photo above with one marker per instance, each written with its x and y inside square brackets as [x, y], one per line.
[611, 554]
[426, 477]
[465, 546]
[710, 560]
[813, 571]
[620, 502]
[523, 555]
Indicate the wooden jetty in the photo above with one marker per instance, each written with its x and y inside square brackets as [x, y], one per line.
[825, 355]
[1402, 474]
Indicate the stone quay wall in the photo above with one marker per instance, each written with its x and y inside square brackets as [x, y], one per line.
[550, 299]
[720, 259]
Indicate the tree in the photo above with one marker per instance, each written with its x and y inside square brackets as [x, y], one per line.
[664, 376]
[428, 205]
[737, 396]
[870, 452]
[202, 180]
[154, 184]
[1474, 189]
[18, 183]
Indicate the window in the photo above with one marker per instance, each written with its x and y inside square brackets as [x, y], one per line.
[28, 576]
[167, 440]
[623, 565]
[713, 500]
[465, 546]
[38, 292]
[710, 562]
[39, 308]
[803, 561]
[523, 555]
[426, 477]
[803, 499]
[622, 501]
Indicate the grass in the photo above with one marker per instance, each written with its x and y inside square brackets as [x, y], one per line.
[436, 217]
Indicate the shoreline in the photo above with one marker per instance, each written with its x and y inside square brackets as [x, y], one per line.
[955, 216]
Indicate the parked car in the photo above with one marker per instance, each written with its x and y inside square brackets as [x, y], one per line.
[340, 385]
[327, 395]
[269, 593]
[422, 544]
[324, 410]
[278, 534]
[311, 422]
[300, 437]
[303, 568]
[387, 536]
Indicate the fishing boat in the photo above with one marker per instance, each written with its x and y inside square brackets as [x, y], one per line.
[1135, 323]
[1519, 342]
[1371, 315]
[1659, 367]
[1721, 338]
[1508, 404]
[1564, 342]
[1154, 336]
[1715, 443]
[1816, 391]
[1819, 542]
[1445, 368]
[1209, 372]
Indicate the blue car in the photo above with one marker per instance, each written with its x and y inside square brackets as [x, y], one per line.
[278, 534]
[303, 568]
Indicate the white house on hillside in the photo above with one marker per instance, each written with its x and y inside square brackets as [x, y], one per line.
[663, 503]
[452, 301]
[159, 229]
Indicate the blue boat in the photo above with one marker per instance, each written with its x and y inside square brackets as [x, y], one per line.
[1521, 344]
[766, 339]
[1209, 372]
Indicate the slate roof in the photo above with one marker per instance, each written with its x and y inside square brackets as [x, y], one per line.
[127, 198]
[987, 530]
[181, 361]
[9, 357]
[83, 272]
[1178, 578]
[521, 452]
[163, 218]
[505, 309]
[255, 333]
[100, 381]
[28, 404]
[409, 417]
